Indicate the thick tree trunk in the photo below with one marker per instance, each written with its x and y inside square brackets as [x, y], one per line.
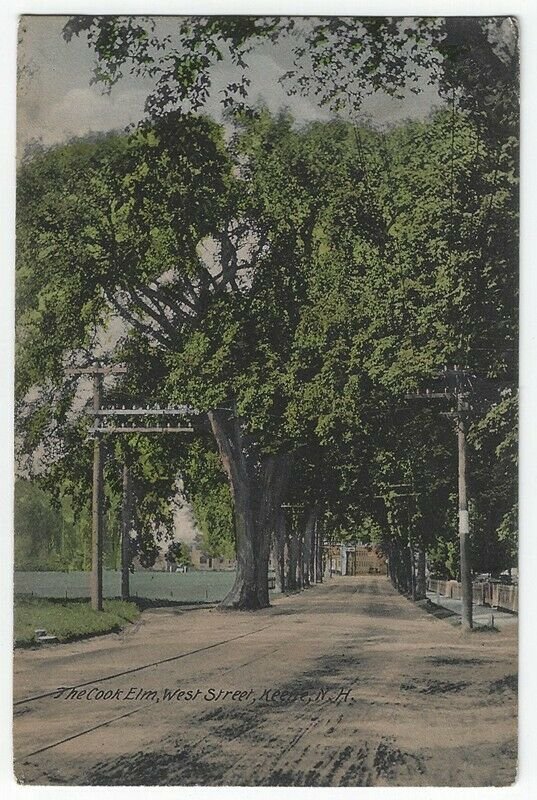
[257, 495]
[395, 550]
[393, 563]
[300, 560]
[314, 554]
[405, 569]
[292, 566]
[243, 595]
[273, 484]
[388, 549]
[411, 570]
[421, 583]
[286, 560]
[401, 568]
[319, 562]
[313, 558]
[278, 539]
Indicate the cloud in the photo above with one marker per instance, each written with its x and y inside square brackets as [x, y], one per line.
[78, 112]
[56, 101]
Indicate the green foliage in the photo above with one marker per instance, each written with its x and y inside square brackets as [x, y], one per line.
[349, 266]
[178, 553]
[338, 60]
[444, 559]
[493, 471]
[99, 218]
[50, 532]
[385, 311]
[37, 527]
[209, 494]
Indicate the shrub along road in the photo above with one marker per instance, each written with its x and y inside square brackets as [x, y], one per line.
[345, 684]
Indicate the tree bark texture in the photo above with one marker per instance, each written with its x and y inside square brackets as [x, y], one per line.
[319, 553]
[278, 539]
[292, 566]
[257, 490]
[421, 584]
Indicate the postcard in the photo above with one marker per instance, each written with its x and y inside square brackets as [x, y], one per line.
[266, 401]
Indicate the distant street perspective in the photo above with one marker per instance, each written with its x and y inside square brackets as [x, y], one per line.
[348, 683]
[266, 401]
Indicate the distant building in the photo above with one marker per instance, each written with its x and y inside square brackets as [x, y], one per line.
[363, 559]
[353, 559]
[202, 561]
[199, 560]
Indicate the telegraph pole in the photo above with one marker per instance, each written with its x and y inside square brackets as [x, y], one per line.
[460, 393]
[112, 421]
[104, 423]
[97, 516]
[464, 522]
[126, 524]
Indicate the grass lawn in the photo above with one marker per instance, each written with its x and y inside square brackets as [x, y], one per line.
[69, 619]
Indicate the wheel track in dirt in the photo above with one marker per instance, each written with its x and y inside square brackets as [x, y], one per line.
[139, 668]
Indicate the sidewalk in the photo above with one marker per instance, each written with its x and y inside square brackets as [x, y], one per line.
[482, 615]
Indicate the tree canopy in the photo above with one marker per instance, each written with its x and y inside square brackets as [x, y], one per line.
[290, 283]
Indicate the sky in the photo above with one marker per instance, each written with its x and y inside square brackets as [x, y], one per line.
[57, 102]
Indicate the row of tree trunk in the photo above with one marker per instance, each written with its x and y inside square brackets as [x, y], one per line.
[270, 530]
[297, 549]
[406, 567]
[259, 488]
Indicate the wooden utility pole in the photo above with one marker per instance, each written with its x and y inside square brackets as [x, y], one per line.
[103, 423]
[126, 525]
[97, 515]
[464, 523]
[460, 380]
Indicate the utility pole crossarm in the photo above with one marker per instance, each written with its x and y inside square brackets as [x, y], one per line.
[146, 412]
[430, 396]
[138, 429]
[407, 494]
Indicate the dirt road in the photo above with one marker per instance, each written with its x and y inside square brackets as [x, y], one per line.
[346, 684]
